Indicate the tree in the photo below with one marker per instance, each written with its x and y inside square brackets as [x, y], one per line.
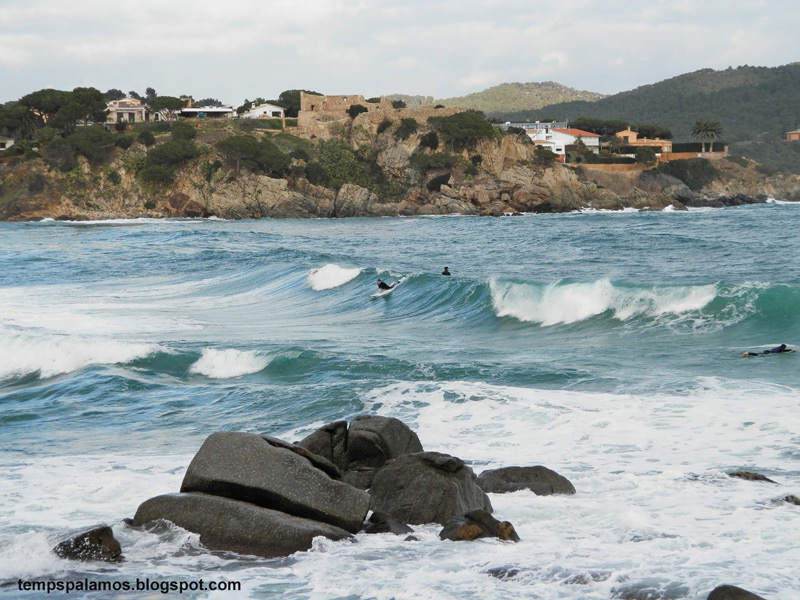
[238, 147]
[82, 105]
[464, 129]
[150, 94]
[44, 104]
[398, 104]
[646, 155]
[356, 109]
[181, 130]
[207, 102]
[113, 94]
[166, 106]
[706, 130]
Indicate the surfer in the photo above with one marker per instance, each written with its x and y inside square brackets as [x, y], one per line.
[446, 272]
[385, 286]
[777, 350]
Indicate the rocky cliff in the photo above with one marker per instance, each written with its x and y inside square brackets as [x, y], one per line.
[509, 178]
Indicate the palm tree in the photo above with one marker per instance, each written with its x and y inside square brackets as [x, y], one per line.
[706, 130]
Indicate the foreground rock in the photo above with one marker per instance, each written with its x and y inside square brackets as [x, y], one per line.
[427, 487]
[96, 544]
[233, 525]
[731, 592]
[363, 448]
[750, 476]
[477, 524]
[540, 480]
[247, 467]
[379, 522]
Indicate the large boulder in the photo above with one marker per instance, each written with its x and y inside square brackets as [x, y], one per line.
[247, 467]
[363, 448]
[371, 441]
[330, 442]
[95, 544]
[731, 592]
[477, 524]
[225, 524]
[426, 487]
[540, 480]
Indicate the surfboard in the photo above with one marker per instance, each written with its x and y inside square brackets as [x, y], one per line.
[385, 293]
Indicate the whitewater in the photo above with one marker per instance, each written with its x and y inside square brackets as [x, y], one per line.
[605, 346]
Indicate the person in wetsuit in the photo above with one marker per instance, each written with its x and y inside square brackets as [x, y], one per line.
[385, 286]
[777, 350]
[446, 272]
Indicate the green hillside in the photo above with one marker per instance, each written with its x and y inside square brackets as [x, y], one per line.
[507, 97]
[755, 105]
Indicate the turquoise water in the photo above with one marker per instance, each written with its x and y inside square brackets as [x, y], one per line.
[603, 345]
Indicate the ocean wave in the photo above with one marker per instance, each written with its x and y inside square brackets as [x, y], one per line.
[229, 363]
[570, 302]
[22, 355]
[331, 276]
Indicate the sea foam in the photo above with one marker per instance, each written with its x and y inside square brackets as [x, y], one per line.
[225, 364]
[330, 276]
[562, 303]
[22, 354]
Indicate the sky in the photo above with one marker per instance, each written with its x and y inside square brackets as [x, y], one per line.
[234, 50]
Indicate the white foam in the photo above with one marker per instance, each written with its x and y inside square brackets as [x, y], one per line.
[330, 276]
[573, 302]
[225, 364]
[54, 355]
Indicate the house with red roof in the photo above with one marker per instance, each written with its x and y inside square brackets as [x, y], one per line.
[558, 138]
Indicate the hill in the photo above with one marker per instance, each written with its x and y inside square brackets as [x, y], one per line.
[755, 105]
[507, 97]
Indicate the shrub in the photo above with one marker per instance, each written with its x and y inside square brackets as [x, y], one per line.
[147, 138]
[645, 155]
[398, 104]
[183, 130]
[437, 160]
[406, 128]
[470, 169]
[299, 154]
[356, 109]
[316, 174]
[435, 184]
[429, 140]
[738, 160]
[544, 156]
[156, 174]
[767, 170]
[208, 169]
[463, 130]
[37, 184]
[384, 125]
[439, 106]
[114, 177]
[59, 154]
[476, 159]
[124, 142]
[92, 142]
[172, 153]
[374, 100]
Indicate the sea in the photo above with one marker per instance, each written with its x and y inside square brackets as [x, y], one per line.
[605, 346]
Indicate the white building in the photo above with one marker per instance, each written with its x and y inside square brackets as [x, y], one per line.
[262, 111]
[127, 110]
[207, 112]
[6, 143]
[557, 139]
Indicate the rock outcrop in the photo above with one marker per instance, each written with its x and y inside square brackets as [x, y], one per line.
[477, 524]
[540, 480]
[731, 592]
[426, 487]
[98, 543]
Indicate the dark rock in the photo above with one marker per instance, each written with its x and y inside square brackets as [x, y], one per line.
[651, 590]
[503, 573]
[792, 499]
[477, 524]
[96, 544]
[540, 480]
[371, 441]
[379, 522]
[225, 524]
[247, 467]
[330, 442]
[426, 487]
[731, 592]
[322, 463]
[750, 476]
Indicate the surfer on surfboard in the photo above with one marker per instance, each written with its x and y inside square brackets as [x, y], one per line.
[386, 286]
[777, 350]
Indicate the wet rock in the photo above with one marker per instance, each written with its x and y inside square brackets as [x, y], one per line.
[246, 467]
[651, 590]
[426, 487]
[749, 476]
[330, 442]
[540, 480]
[504, 573]
[371, 441]
[792, 499]
[236, 526]
[731, 592]
[379, 522]
[96, 544]
[477, 524]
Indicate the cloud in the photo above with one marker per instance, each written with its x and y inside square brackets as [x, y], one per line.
[446, 48]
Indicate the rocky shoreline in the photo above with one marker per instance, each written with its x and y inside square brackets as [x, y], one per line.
[510, 179]
[259, 495]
